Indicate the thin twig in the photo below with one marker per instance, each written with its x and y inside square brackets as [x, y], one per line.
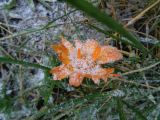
[5, 52]
[141, 14]
[141, 69]
[109, 98]
[135, 83]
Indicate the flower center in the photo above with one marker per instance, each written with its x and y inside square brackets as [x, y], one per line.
[84, 65]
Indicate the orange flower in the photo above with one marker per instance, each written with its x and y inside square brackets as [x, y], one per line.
[83, 60]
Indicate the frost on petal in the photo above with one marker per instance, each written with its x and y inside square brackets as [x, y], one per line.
[63, 53]
[90, 46]
[96, 80]
[109, 54]
[98, 74]
[60, 72]
[78, 44]
[101, 73]
[67, 44]
[78, 50]
[76, 79]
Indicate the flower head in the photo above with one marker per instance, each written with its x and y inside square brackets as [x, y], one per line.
[84, 60]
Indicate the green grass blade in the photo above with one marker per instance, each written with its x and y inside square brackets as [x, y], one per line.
[138, 113]
[19, 62]
[109, 34]
[120, 110]
[106, 20]
[102, 31]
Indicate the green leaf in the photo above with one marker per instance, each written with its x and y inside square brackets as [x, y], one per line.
[106, 20]
[28, 64]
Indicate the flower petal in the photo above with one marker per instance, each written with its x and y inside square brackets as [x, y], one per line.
[79, 54]
[96, 53]
[67, 44]
[109, 54]
[83, 60]
[109, 70]
[60, 48]
[63, 53]
[101, 73]
[76, 79]
[64, 58]
[96, 80]
[90, 46]
[78, 45]
[97, 75]
[60, 72]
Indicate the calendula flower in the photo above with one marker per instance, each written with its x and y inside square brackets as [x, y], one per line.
[84, 60]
